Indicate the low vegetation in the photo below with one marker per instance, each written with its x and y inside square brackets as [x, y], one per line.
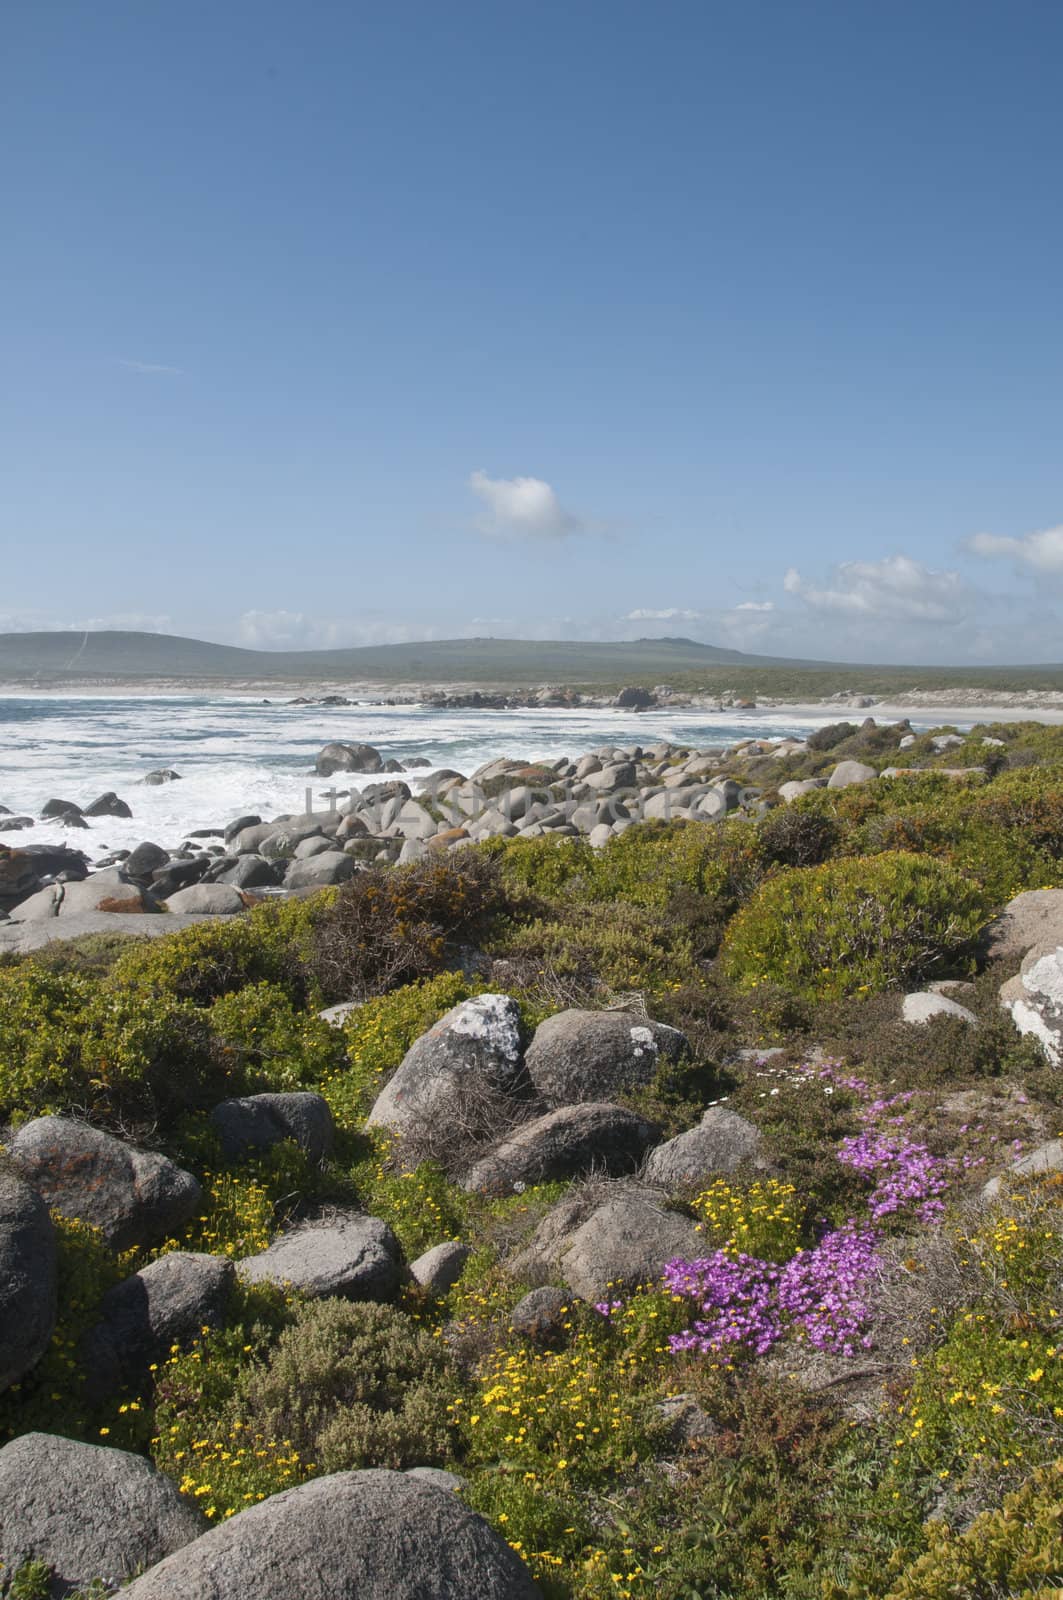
[855, 1390]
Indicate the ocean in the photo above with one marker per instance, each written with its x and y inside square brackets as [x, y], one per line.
[237, 754]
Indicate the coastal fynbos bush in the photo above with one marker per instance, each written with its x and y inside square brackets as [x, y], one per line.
[260, 1036]
[863, 924]
[201, 964]
[1014, 1553]
[390, 925]
[69, 1041]
[343, 1386]
[762, 1218]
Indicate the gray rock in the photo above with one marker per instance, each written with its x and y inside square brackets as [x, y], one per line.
[337, 757]
[626, 1241]
[332, 866]
[207, 899]
[57, 809]
[159, 776]
[11, 824]
[439, 1269]
[722, 1142]
[594, 1055]
[850, 772]
[21, 938]
[439, 1476]
[87, 1512]
[477, 1045]
[109, 889]
[1046, 1159]
[39, 907]
[353, 1536]
[250, 839]
[563, 1144]
[921, 1008]
[353, 1256]
[177, 875]
[145, 859]
[799, 786]
[238, 824]
[337, 1015]
[168, 1302]
[306, 849]
[108, 805]
[1033, 918]
[283, 842]
[542, 1314]
[596, 1244]
[132, 1196]
[259, 1121]
[249, 872]
[27, 1277]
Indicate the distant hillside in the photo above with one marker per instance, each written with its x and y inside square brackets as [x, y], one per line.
[113, 659]
[142, 656]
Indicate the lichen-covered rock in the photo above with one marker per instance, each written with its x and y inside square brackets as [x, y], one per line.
[1037, 1007]
[27, 1278]
[352, 1536]
[132, 1196]
[594, 1055]
[87, 1512]
[353, 1256]
[476, 1046]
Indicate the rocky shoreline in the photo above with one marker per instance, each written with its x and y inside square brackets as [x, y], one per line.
[58, 891]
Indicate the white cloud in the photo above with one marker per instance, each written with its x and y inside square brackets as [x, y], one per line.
[756, 605]
[45, 622]
[666, 614]
[152, 369]
[522, 508]
[295, 630]
[1041, 551]
[896, 587]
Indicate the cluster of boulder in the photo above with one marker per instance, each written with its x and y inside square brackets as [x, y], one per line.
[93, 1514]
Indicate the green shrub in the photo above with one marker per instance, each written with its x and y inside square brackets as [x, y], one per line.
[342, 1387]
[862, 924]
[1015, 1553]
[201, 964]
[73, 1042]
[265, 1042]
[583, 947]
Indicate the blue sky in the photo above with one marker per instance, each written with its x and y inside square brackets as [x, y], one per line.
[333, 323]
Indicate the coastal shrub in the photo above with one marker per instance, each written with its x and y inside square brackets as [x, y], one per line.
[263, 1040]
[860, 924]
[630, 948]
[389, 926]
[1014, 1553]
[340, 1388]
[201, 964]
[790, 838]
[543, 867]
[70, 1042]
